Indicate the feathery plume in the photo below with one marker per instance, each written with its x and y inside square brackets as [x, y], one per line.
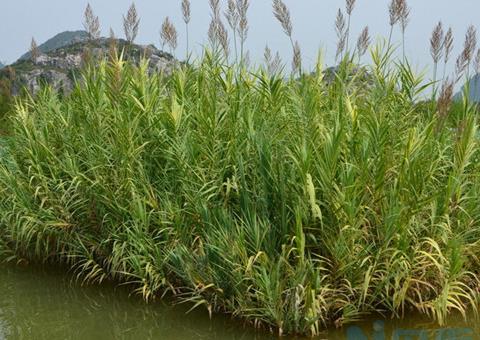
[273, 62]
[341, 33]
[112, 44]
[404, 14]
[448, 44]
[131, 23]
[34, 51]
[282, 13]
[297, 59]
[363, 42]
[218, 35]
[186, 15]
[460, 66]
[470, 43]
[436, 50]
[215, 7]
[436, 43]
[267, 54]
[233, 19]
[445, 100]
[465, 58]
[168, 34]
[231, 14]
[447, 47]
[91, 23]
[242, 10]
[223, 38]
[350, 5]
[186, 12]
[393, 10]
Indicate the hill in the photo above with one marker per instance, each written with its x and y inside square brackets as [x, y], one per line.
[60, 40]
[59, 65]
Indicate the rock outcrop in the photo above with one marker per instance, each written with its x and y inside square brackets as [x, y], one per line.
[59, 67]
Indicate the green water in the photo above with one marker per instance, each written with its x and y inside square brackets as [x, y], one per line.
[48, 304]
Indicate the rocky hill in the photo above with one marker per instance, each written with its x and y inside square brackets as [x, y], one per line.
[59, 66]
[60, 40]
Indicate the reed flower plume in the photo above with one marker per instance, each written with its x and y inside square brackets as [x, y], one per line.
[447, 47]
[461, 65]
[465, 58]
[34, 50]
[218, 35]
[444, 102]
[470, 43]
[297, 59]
[394, 12]
[340, 30]
[273, 63]
[112, 44]
[215, 8]
[349, 6]
[436, 43]
[186, 15]
[242, 10]
[404, 15]
[436, 49]
[222, 34]
[363, 42]
[130, 24]
[233, 20]
[168, 35]
[282, 13]
[91, 23]
[231, 14]
[186, 11]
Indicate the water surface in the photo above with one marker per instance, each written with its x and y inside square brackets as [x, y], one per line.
[48, 304]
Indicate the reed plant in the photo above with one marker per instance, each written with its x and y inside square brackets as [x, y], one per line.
[295, 203]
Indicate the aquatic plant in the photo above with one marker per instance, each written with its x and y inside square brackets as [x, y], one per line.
[293, 202]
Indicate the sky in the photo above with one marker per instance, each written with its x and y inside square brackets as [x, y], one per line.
[313, 24]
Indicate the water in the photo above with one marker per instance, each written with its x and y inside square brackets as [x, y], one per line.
[48, 304]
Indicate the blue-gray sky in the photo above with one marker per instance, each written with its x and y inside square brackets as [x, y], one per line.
[312, 21]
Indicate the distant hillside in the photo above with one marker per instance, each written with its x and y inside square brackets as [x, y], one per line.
[474, 91]
[60, 40]
[60, 66]
[1, 65]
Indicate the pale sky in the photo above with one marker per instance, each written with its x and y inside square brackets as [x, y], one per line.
[312, 21]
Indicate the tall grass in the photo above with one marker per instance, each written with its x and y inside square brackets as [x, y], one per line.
[295, 203]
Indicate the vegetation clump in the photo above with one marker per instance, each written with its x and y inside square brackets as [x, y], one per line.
[292, 202]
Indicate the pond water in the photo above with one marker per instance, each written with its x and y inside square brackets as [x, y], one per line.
[48, 304]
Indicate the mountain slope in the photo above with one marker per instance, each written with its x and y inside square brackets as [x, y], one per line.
[59, 67]
[58, 41]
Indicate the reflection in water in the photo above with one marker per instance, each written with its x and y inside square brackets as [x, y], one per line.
[35, 304]
[39, 304]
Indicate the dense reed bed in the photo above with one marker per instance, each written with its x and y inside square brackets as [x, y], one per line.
[295, 203]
